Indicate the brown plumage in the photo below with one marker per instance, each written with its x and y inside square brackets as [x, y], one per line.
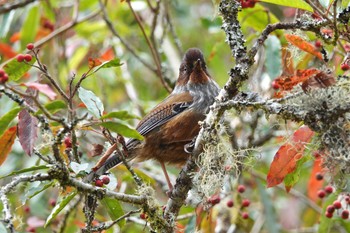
[173, 123]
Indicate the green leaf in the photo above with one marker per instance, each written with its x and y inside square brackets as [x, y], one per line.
[191, 225]
[91, 101]
[78, 56]
[269, 210]
[30, 26]
[114, 209]
[6, 22]
[54, 106]
[345, 3]
[256, 18]
[6, 119]
[57, 209]
[122, 129]
[292, 178]
[300, 4]
[25, 170]
[2, 227]
[46, 186]
[16, 70]
[273, 56]
[107, 64]
[122, 115]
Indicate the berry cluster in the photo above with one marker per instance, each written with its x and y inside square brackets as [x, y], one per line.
[3, 76]
[103, 181]
[24, 57]
[215, 199]
[247, 3]
[340, 207]
[323, 192]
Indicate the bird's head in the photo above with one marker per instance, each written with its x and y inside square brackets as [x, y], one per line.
[193, 69]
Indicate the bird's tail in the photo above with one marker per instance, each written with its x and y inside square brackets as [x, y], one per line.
[110, 162]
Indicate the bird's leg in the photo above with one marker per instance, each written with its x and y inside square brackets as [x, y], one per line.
[166, 176]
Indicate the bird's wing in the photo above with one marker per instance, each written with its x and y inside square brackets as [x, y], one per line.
[163, 112]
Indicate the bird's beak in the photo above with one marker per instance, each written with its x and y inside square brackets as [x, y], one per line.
[198, 74]
[197, 66]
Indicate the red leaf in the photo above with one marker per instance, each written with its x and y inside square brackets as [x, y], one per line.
[7, 140]
[7, 51]
[320, 80]
[43, 88]
[93, 62]
[108, 54]
[286, 82]
[27, 131]
[314, 184]
[304, 45]
[287, 62]
[15, 37]
[286, 157]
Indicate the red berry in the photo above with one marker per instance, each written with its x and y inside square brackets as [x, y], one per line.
[318, 44]
[48, 25]
[321, 193]
[316, 154]
[345, 214]
[20, 57]
[275, 85]
[330, 209]
[344, 66]
[337, 204]
[2, 73]
[245, 202]
[27, 209]
[99, 183]
[241, 188]
[329, 215]
[245, 215]
[4, 78]
[28, 57]
[319, 176]
[68, 142]
[347, 199]
[229, 203]
[52, 202]
[143, 216]
[105, 180]
[30, 46]
[215, 199]
[30, 229]
[328, 189]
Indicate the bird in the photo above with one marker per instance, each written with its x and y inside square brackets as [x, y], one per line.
[174, 122]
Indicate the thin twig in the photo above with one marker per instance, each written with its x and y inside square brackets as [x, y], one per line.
[126, 45]
[39, 105]
[65, 28]
[336, 32]
[293, 192]
[154, 53]
[108, 225]
[320, 12]
[12, 5]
